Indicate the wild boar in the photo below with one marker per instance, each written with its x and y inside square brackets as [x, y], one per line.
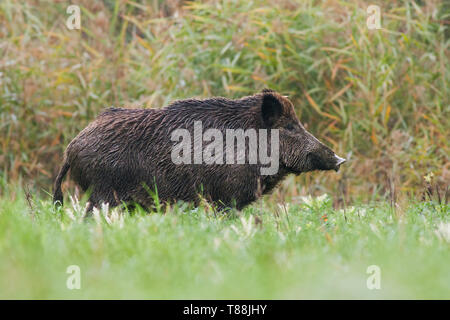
[230, 152]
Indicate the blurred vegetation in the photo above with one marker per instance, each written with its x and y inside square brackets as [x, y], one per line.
[378, 97]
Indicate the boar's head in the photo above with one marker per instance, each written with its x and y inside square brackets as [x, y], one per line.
[299, 150]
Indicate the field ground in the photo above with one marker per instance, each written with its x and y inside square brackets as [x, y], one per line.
[299, 251]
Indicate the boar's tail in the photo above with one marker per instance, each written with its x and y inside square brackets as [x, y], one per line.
[57, 193]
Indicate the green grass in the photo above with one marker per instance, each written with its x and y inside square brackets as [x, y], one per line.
[302, 250]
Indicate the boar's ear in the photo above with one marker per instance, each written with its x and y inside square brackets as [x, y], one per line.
[271, 109]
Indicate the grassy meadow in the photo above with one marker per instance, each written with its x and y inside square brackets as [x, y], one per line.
[379, 98]
[303, 249]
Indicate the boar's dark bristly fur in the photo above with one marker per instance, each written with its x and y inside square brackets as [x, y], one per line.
[124, 153]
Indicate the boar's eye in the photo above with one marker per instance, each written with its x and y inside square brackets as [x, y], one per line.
[290, 127]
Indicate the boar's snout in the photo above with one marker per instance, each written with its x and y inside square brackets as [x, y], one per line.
[339, 161]
[323, 158]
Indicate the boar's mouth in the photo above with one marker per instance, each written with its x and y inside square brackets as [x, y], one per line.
[315, 162]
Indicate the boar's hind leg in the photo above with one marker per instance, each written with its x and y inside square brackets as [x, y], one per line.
[105, 195]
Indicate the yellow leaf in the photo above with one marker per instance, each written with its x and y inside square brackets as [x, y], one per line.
[145, 44]
[374, 136]
[312, 102]
[340, 92]
[262, 55]
[91, 50]
[317, 108]
[237, 88]
[354, 41]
